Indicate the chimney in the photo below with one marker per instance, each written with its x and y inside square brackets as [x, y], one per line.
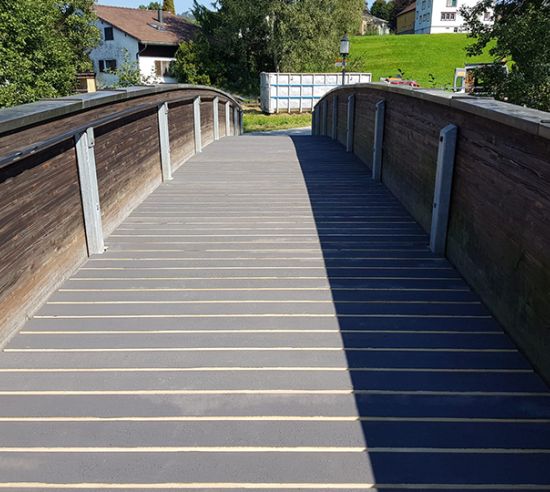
[161, 16]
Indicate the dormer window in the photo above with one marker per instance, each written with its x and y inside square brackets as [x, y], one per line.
[108, 34]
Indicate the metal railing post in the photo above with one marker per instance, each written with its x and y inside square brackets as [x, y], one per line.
[334, 117]
[227, 118]
[350, 127]
[197, 124]
[378, 140]
[216, 116]
[241, 120]
[325, 118]
[235, 121]
[89, 191]
[164, 140]
[443, 186]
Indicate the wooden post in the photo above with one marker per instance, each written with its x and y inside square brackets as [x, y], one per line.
[89, 191]
[334, 117]
[216, 116]
[350, 127]
[164, 139]
[227, 118]
[443, 186]
[197, 124]
[378, 140]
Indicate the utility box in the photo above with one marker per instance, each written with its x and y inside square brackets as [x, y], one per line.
[299, 92]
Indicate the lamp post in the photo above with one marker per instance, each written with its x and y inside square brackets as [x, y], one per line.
[344, 51]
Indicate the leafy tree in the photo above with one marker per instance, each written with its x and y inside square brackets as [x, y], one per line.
[151, 6]
[186, 67]
[43, 44]
[128, 73]
[168, 6]
[520, 34]
[241, 38]
[381, 9]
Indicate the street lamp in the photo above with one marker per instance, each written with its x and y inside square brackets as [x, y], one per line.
[344, 51]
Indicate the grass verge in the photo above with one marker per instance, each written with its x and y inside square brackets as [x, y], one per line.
[256, 121]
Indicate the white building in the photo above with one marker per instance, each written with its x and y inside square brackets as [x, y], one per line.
[147, 38]
[442, 16]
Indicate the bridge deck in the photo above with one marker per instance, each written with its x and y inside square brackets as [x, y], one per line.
[262, 319]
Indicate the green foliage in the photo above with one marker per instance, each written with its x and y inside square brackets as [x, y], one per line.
[520, 35]
[151, 6]
[417, 55]
[43, 44]
[186, 67]
[168, 6]
[242, 38]
[381, 9]
[127, 73]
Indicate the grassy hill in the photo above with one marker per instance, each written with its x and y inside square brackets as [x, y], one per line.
[418, 55]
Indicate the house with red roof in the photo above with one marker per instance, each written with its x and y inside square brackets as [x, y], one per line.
[147, 38]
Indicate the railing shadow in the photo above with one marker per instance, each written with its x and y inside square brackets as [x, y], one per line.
[426, 359]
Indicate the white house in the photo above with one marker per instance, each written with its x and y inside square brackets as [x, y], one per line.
[149, 38]
[442, 16]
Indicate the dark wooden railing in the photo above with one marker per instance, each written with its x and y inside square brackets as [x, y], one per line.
[72, 169]
[476, 174]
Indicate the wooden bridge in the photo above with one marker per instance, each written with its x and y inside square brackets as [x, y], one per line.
[271, 318]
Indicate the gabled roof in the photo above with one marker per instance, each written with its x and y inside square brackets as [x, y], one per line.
[410, 8]
[368, 15]
[144, 25]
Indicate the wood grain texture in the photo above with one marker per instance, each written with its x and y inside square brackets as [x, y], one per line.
[180, 126]
[207, 122]
[499, 228]
[41, 231]
[128, 165]
[221, 114]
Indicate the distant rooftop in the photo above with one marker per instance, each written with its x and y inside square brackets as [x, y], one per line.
[411, 7]
[145, 27]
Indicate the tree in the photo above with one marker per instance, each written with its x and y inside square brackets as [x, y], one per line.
[242, 38]
[381, 9]
[128, 73]
[520, 35]
[394, 7]
[43, 44]
[186, 67]
[151, 6]
[168, 6]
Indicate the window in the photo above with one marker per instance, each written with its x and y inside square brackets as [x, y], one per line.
[451, 3]
[448, 16]
[162, 68]
[108, 34]
[423, 4]
[107, 65]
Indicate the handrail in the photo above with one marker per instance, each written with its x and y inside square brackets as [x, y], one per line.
[33, 149]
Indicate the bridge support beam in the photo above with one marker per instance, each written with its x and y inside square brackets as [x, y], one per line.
[197, 124]
[443, 186]
[378, 140]
[164, 140]
[334, 133]
[350, 126]
[216, 117]
[89, 191]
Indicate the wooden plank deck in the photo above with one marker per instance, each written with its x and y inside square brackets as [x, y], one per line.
[270, 319]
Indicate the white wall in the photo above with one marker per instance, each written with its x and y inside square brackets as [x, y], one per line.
[428, 16]
[112, 50]
[147, 69]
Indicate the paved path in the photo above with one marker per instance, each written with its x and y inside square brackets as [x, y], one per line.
[262, 319]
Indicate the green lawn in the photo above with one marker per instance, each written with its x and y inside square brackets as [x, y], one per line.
[255, 121]
[418, 55]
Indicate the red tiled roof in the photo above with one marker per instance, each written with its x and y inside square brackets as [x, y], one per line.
[411, 7]
[140, 24]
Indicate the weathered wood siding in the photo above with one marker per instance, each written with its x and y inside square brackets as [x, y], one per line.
[182, 140]
[207, 121]
[342, 118]
[41, 230]
[128, 165]
[499, 230]
[42, 234]
[221, 117]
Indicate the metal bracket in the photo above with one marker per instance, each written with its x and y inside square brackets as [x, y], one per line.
[378, 140]
[164, 139]
[443, 187]
[227, 118]
[197, 124]
[89, 192]
[216, 116]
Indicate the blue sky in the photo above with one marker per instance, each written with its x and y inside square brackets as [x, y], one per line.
[181, 5]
